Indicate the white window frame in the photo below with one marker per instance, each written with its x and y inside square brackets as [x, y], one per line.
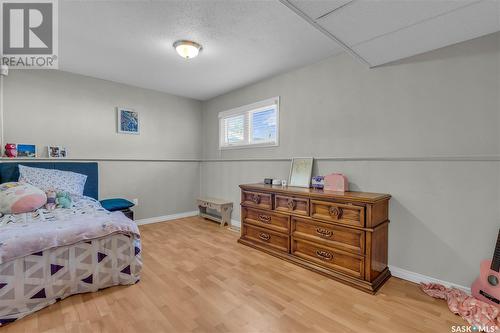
[246, 110]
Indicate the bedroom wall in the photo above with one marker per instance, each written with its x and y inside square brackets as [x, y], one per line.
[425, 130]
[161, 167]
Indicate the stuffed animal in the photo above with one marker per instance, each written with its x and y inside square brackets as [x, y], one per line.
[63, 200]
[51, 200]
[11, 150]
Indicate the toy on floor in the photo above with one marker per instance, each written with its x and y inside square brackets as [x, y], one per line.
[477, 313]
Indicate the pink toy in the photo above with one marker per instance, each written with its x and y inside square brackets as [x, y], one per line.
[336, 182]
[10, 150]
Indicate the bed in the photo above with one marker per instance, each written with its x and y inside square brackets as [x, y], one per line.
[46, 256]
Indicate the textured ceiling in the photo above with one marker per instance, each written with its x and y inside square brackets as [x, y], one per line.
[131, 42]
[245, 41]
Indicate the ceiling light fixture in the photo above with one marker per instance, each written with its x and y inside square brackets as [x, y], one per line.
[187, 49]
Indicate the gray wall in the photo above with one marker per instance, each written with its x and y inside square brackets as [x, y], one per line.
[58, 108]
[444, 213]
[442, 107]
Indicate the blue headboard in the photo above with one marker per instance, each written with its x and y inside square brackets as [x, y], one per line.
[9, 172]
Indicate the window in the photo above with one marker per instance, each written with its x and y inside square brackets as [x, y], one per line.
[253, 125]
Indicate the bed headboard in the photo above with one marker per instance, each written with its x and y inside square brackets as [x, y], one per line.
[9, 172]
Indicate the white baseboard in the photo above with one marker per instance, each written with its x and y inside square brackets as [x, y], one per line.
[166, 217]
[417, 278]
[236, 223]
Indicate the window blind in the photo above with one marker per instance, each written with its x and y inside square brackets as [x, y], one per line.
[255, 124]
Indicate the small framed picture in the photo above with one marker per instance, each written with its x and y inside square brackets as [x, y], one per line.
[24, 150]
[57, 152]
[301, 171]
[128, 121]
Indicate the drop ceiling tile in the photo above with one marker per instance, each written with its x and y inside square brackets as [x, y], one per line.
[317, 8]
[460, 25]
[363, 20]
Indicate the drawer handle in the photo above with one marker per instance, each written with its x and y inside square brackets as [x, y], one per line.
[264, 236]
[324, 255]
[336, 212]
[255, 198]
[265, 218]
[291, 204]
[324, 232]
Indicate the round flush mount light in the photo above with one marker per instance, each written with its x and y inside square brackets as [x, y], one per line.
[187, 49]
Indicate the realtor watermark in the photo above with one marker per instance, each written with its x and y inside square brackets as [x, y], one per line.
[29, 34]
[473, 329]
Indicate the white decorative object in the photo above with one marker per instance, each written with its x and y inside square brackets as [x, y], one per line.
[301, 171]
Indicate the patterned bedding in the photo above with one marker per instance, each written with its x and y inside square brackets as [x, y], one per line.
[46, 256]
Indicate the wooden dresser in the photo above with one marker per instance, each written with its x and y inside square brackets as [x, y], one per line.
[341, 235]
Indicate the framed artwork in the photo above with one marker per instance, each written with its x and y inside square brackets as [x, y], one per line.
[24, 150]
[63, 152]
[301, 171]
[57, 152]
[128, 121]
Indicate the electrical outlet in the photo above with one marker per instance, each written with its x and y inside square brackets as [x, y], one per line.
[4, 70]
[135, 201]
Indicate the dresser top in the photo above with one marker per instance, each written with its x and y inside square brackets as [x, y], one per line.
[312, 192]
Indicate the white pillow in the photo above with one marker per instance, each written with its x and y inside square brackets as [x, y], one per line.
[51, 179]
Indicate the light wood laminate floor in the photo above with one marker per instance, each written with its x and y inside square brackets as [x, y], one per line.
[196, 278]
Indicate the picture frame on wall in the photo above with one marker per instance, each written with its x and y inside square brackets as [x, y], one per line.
[128, 121]
[57, 152]
[26, 150]
[301, 171]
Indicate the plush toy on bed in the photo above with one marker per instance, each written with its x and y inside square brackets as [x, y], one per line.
[57, 200]
[63, 200]
[51, 200]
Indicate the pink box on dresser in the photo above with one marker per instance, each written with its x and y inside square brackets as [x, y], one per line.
[336, 182]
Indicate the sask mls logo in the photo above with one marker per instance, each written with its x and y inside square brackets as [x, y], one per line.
[29, 33]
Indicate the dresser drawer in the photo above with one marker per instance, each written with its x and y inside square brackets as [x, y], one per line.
[329, 258]
[290, 204]
[257, 199]
[266, 237]
[277, 222]
[339, 213]
[347, 239]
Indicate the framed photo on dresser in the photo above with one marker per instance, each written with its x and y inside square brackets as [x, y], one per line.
[301, 171]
